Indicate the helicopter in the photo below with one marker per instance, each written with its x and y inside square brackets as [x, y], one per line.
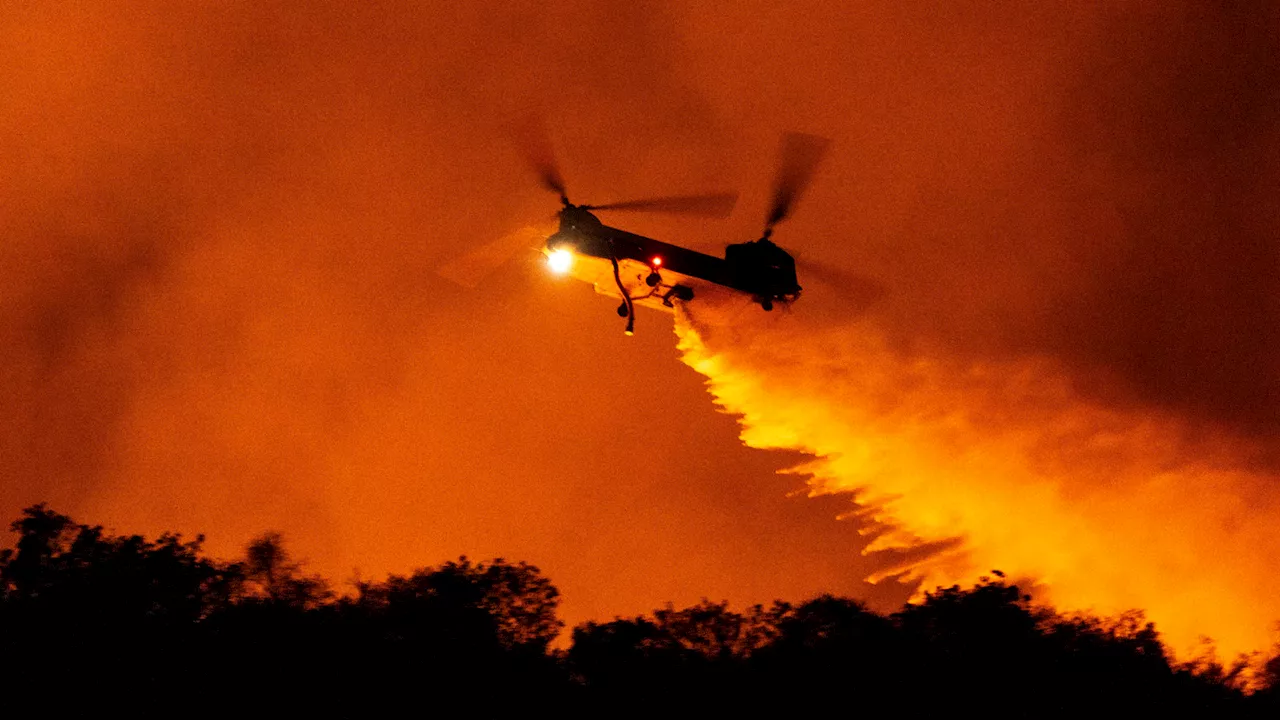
[643, 271]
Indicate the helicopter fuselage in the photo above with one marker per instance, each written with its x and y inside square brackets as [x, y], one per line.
[759, 269]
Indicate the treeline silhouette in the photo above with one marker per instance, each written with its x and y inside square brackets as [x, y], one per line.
[92, 623]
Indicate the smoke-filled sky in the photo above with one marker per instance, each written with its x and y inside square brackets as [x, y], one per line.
[220, 311]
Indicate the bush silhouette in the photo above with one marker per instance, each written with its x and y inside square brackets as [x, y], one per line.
[92, 622]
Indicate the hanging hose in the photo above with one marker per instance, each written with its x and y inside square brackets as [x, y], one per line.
[626, 297]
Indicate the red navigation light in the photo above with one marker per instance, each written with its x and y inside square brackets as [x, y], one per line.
[656, 261]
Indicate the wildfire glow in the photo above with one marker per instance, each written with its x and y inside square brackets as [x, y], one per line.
[961, 468]
[560, 261]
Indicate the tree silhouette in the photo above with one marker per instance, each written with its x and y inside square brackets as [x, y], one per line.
[699, 654]
[509, 605]
[826, 643]
[271, 576]
[93, 612]
[91, 622]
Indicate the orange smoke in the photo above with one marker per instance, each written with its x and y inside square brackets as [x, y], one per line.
[1002, 465]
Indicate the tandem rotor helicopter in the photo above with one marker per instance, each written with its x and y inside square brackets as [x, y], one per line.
[643, 271]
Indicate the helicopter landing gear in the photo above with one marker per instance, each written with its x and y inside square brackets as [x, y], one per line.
[767, 305]
[653, 279]
[623, 311]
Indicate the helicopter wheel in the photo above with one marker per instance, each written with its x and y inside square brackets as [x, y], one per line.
[767, 305]
[622, 310]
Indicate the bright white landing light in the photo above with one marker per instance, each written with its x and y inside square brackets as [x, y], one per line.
[560, 261]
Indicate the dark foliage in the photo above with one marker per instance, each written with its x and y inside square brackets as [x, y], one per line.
[92, 623]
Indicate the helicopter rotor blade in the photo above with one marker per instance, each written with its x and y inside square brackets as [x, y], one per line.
[470, 268]
[858, 292]
[714, 205]
[800, 156]
[532, 138]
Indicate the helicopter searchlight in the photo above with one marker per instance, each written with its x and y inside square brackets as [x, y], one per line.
[560, 261]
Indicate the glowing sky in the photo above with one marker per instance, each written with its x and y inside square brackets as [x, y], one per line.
[222, 222]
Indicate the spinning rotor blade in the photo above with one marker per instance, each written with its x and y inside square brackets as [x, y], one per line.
[470, 268]
[717, 205]
[532, 138]
[801, 154]
[859, 292]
